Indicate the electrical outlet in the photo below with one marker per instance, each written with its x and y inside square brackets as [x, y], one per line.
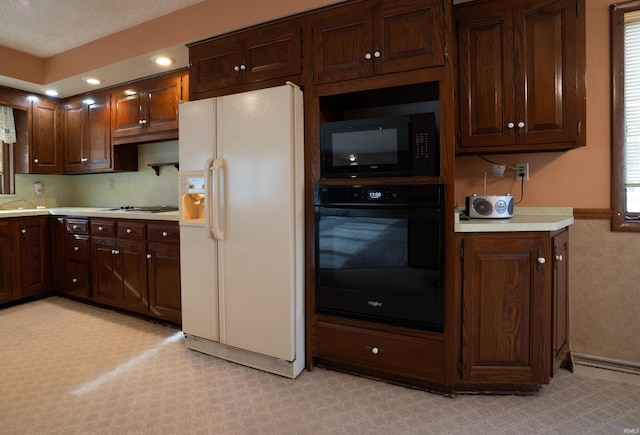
[522, 170]
[112, 184]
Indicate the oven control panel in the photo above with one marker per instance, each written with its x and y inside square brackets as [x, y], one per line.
[429, 194]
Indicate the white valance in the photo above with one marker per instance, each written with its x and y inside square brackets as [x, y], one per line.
[7, 125]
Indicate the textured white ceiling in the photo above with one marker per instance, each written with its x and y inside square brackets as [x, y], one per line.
[44, 28]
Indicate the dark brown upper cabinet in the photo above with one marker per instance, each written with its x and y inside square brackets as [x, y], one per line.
[263, 53]
[366, 38]
[521, 76]
[146, 110]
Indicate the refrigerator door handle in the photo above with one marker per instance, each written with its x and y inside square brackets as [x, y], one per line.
[208, 198]
[218, 164]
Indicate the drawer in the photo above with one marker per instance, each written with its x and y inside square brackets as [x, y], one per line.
[103, 228]
[78, 226]
[130, 230]
[163, 233]
[383, 352]
[78, 248]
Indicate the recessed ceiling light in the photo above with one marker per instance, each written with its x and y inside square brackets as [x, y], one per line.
[163, 60]
[51, 92]
[130, 92]
[92, 80]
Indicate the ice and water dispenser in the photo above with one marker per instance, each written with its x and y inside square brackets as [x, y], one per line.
[192, 200]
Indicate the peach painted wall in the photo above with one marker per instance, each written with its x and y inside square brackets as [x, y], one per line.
[194, 23]
[578, 178]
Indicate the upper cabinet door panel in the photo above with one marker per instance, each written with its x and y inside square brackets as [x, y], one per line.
[549, 64]
[487, 91]
[408, 35]
[126, 113]
[73, 132]
[213, 64]
[46, 152]
[163, 99]
[272, 52]
[342, 39]
[98, 137]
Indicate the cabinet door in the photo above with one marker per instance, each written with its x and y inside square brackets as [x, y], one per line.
[125, 114]
[73, 133]
[408, 35]
[546, 72]
[132, 275]
[164, 280]
[45, 147]
[7, 261]
[34, 258]
[560, 300]
[343, 43]
[272, 52]
[486, 75]
[98, 133]
[505, 320]
[161, 101]
[104, 270]
[213, 64]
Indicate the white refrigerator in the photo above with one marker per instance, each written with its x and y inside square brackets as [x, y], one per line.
[241, 182]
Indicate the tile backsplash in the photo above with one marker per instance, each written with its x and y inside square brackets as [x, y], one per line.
[94, 190]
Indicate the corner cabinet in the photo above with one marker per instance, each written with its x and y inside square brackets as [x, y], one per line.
[522, 78]
[147, 110]
[267, 52]
[367, 38]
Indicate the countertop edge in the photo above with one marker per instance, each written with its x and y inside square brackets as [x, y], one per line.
[524, 219]
[90, 212]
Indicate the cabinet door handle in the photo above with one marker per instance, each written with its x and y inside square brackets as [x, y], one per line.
[559, 257]
[129, 230]
[36, 161]
[149, 256]
[541, 260]
[74, 280]
[367, 56]
[520, 124]
[23, 231]
[84, 159]
[376, 54]
[76, 248]
[243, 67]
[510, 125]
[115, 251]
[236, 68]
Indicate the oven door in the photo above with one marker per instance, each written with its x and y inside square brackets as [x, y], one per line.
[381, 263]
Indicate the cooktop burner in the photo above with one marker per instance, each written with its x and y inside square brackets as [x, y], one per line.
[144, 209]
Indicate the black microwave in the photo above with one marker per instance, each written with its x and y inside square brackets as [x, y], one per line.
[393, 146]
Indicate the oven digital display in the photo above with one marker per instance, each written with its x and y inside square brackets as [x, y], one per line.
[374, 194]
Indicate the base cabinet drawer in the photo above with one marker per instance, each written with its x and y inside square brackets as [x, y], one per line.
[383, 352]
[77, 279]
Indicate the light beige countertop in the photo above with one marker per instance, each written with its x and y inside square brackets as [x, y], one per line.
[91, 212]
[524, 219]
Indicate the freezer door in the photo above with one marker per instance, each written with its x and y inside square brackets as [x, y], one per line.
[197, 133]
[261, 212]
[199, 289]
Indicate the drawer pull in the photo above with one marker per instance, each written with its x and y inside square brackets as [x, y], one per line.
[100, 228]
[149, 256]
[75, 227]
[165, 234]
[76, 248]
[74, 280]
[374, 350]
[129, 230]
[115, 252]
[23, 231]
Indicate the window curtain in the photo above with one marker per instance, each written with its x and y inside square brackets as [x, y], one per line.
[7, 131]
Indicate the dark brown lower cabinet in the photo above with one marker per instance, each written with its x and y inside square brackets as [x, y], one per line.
[514, 309]
[34, 255]
[7, 260]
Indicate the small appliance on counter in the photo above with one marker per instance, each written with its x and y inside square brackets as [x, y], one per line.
[489, 206]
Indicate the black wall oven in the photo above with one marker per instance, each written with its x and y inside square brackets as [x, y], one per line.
[380, 253]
